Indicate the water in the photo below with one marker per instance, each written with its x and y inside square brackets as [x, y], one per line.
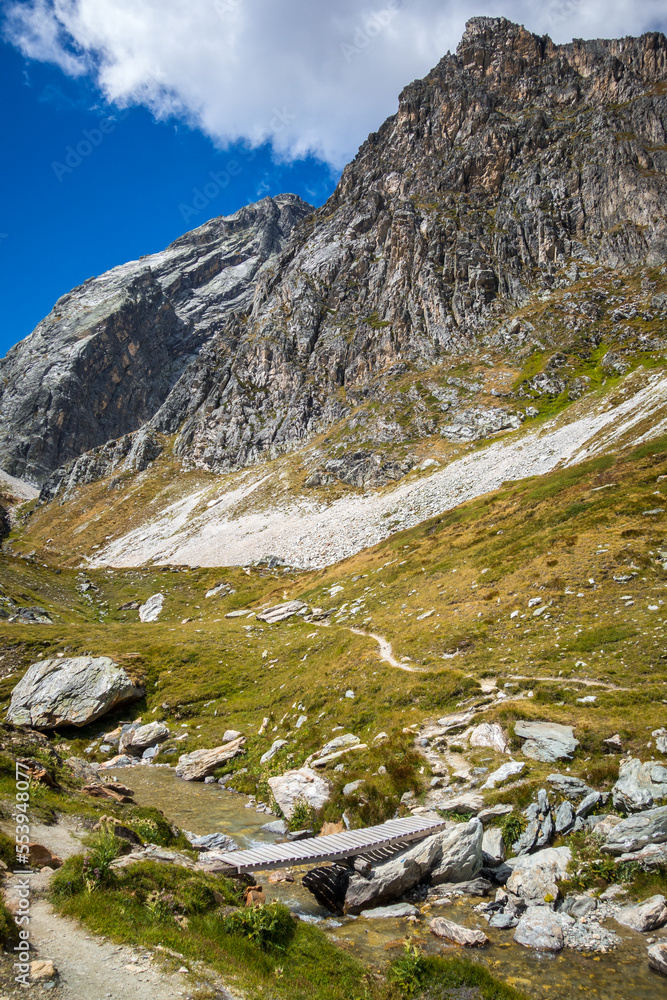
[621, 975]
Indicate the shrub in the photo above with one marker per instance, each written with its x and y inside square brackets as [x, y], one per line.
[271, 926]
[302, 816]
[9, 932]
[409, 970]
[512, 828]
[68, 880]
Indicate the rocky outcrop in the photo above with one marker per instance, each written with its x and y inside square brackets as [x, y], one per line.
[104, 360]
[638, 831]
[646, 916]
[639, 785]
[200, 764]
[512, 166]
[300, 785]
[546, 741]
[70, 691]
[395, 877]
[460, 853]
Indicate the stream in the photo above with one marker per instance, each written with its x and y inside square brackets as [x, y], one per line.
[620, 975]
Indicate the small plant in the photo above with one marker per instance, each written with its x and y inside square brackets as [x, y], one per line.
[302, 817]
[512, 828]
[409, 970]
[96, 869]
[270, 926]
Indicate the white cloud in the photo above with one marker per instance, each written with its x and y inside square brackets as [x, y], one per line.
[310, 77]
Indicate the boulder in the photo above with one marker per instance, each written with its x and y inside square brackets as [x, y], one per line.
[657, 958]
[558, 857]
[535, 886]
[539, 928]
[504, 772]
[639, 785]
[42, 857]
[636, 832]
[493, 847]
[338, 743]
[475, 887]
[393, 878]
[393, 912]
[281, 612]
[120, 760]
[459, 935]
[489, 734]
[69, 691]
[579, 906]
[272, 751]
[588, 803]
[200, 764]
[564, 817]
[135, 741]
[277, 826]
[646, 916]
[150, 611]
[82, 770]
[466, 802]
[300, 785]
[569, 786]
[230, 734]
[460, 853]
[546, 741]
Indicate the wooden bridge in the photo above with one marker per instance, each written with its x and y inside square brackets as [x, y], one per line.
[373, 841]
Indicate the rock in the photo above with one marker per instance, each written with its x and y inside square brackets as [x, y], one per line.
[281, 612]
[352, 787]
[393, 912]
[637, 832]
[539, 928]
[646, 916]
[613, 743]
[117, 793]
[82, 770]
[329, 829]
[494, 812]
[338, 743]
[546, 741]
[505, 771]
[150, 611]
[489, 734]
[639, 785]
[300, 785]
[493, 846]
[272, 751]
[164, 856]
[42, 970]
[503, 921]
[199, 764]
[230, 735]
[657, 958]
[120, 760]
[579, 906]
[323, 761]
[587, 804]
[569, 786]
[393, 878]
[279, 875]
[467, 802]
[474, 887]
[70, 691]
[41, 857]
[564, 817]
[460, 857]
[212, 842]
[459, 935]
[535, 886]
[277, 826]
[135, 741]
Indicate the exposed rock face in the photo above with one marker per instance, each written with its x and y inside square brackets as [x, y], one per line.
[636, 832]
[460, 853]
[200, 764]
[105, 359]
[511, 165]
[646, 916]
[639, 785]
[69, 691]
[300, 785]
[546, 741]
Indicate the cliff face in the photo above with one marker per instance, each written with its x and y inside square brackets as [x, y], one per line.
[107, 356]
[516, 169]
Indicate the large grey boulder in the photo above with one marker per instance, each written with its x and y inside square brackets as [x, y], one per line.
[535, 886]
[281, 612]
[657, 957]
[569, 786]
[200, 764]
[70, 691]
[493, 847]
[505, 771]
[460, 853]
[638, 831]
[392, 879]
[546, 741]
[539, 928]
[459, 935]
[150, 611]
[135, 741]
[639, 786]
[300, 785]
[646, 916]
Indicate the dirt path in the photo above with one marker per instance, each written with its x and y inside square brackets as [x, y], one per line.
[386, 652]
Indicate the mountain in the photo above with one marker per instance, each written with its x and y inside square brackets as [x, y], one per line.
[493, 253]
[110, 351]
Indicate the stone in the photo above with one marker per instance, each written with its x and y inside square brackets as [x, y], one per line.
[473, 887]
[503, 921]
[70, 691]
[657, 957]
[120, 760]
[41, 970]
[394, 911]
[579, 906]
[337, 743]
[646, 916]
[281, 612]
[116, 793]
[539, 928]
[564, 817]
[42, 857]
[393, 878]
[535, 886]
[494, 812]
[546, 741]
[459, 935]
[639, 785]
[300, 785]
[135, 741]
[587, 804]
[569, 786]
[277, 826]
[230, 735]
[82, 770]
[467, 802]
[150, 611]
[556, 858]
[460, 853]
[212, 841]
[638, 831]
[200, 764]
[505, 771]
[272, 751]
[613, 743]
[489, 734]
[493, 847]
[352, 787]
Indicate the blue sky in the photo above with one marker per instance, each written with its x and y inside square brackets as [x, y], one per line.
[115, 112]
